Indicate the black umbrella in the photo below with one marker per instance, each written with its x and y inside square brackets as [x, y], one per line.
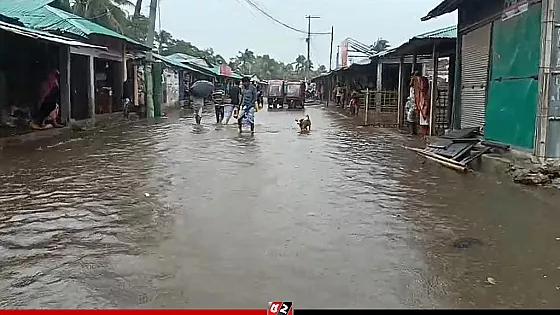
[202, 88]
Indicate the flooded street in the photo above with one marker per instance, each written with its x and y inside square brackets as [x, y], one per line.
[163, 215]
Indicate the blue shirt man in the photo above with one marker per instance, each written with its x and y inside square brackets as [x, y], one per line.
[247, 114]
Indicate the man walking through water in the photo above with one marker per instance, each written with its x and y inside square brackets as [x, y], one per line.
[247, 112]
[235, 103]
[199, 91]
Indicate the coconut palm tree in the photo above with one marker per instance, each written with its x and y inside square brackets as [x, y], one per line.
[301, 63]
[246, 60]
[137, 8]
[109, 13]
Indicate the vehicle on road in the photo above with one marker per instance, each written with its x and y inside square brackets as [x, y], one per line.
[295, 95]
[275, 94]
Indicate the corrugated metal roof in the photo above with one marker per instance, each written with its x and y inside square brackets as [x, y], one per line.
[37, 14]
[362, 62]
[201, 63]
[447, 32]
[419, 43]
[447, 6]
[19, 7]
[189, 60]
[176, 63]
[40, 35]
[383, 53]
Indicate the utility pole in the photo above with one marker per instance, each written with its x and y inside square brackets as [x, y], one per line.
[149, 60]
[337, 55]
[329, 85]
[308, 68]
[330, 55]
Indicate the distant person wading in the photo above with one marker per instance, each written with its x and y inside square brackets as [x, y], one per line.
[234, 97]
[247, 113]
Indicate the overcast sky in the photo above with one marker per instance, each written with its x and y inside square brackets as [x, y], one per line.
[229, 26]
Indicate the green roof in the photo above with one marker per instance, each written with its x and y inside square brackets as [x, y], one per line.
[201, 64]
[446, 32]
[39, 15]
[175, 63]
[19, 7]
[236, 75]
[44, 36]
[188, 60]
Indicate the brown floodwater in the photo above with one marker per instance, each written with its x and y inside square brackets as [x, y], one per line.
[164, 215]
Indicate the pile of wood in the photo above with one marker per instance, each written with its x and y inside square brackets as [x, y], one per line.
[457, 149]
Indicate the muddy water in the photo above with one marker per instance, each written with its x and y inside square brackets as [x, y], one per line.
[164, 215]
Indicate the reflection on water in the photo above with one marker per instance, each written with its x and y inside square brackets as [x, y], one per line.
[171, 215]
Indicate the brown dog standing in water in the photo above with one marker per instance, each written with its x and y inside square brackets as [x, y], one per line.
[304, 124]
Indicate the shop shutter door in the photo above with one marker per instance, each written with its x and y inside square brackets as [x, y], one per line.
[474, 76]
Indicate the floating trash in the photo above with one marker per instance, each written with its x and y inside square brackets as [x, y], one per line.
[491, 281]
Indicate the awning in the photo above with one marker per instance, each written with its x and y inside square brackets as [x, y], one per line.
[423, 44]
[40, 35]
[177, 64]
[447, 6]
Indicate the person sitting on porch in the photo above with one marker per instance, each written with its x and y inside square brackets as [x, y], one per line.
[47, 108]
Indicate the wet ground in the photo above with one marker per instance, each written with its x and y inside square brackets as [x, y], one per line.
[164, 215]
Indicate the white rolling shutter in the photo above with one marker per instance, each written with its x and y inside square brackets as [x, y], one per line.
[474, 76]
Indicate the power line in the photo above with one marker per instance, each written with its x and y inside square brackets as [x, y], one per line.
[251, 3]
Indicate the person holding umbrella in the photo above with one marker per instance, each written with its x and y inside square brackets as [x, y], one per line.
[200, 90]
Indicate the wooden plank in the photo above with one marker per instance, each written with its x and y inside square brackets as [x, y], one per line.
[462, 133]
[475, 156]
[65, 98]
[91, 88]
[439, 159]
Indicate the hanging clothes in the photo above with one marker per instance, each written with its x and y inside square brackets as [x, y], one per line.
[422, 99]
[410, 107]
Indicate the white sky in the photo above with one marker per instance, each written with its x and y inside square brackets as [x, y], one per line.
[229, 26]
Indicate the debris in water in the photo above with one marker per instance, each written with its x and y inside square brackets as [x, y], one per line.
[467, 242]
[491, 281]
[146, 194]
[558, 238]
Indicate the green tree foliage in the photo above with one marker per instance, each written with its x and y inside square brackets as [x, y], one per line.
[112, 14]
[109, 13]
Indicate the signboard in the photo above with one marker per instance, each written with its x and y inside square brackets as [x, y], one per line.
[514, 8]
[344, 53]
[225, 70]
